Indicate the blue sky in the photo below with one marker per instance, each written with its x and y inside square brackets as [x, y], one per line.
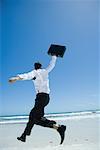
[28, 29]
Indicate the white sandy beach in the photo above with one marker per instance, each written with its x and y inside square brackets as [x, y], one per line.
[82, 134]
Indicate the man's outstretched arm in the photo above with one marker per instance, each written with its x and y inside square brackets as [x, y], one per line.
[25, 76]
[14, 79]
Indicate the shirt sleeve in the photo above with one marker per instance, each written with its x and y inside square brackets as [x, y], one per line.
[27, 76]
[52, 64]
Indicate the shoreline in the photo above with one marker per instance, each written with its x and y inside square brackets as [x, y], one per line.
[54, 116]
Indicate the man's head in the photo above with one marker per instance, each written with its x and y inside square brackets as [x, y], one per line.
[37, 65]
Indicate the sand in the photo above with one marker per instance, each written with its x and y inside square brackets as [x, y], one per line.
[83, 133]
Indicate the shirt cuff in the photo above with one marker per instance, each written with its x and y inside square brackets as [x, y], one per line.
[21, 76]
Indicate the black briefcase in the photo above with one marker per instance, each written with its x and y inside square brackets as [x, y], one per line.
[57, 50]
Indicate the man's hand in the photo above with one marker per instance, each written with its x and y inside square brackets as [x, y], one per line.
[14, 79]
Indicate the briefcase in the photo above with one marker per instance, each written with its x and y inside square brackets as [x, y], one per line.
[57, 50]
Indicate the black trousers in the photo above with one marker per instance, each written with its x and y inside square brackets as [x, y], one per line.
[37, 113]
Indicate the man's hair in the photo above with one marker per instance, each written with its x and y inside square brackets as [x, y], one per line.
[37, 65]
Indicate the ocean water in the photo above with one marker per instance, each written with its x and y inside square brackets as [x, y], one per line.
[54, 116]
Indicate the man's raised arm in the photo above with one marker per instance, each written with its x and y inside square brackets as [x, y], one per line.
[52, 63]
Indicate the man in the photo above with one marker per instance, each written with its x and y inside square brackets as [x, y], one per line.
[40, 79]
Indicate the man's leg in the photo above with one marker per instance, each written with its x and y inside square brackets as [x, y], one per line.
[36, 113]
[52, 124]
[30, 123]
[45, 122]
[29, 126]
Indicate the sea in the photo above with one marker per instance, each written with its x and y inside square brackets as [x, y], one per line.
[15, 119]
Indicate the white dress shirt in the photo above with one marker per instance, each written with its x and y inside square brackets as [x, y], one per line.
[41, 82]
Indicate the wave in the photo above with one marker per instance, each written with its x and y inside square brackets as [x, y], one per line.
[54, 116]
